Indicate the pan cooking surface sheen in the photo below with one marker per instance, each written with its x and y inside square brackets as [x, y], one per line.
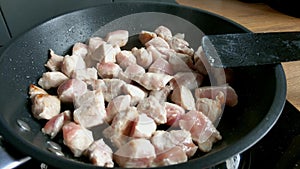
[261, 90]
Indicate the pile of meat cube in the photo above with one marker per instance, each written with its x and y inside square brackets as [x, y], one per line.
[132, 93]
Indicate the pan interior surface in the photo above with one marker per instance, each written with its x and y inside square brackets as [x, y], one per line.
[261, 90]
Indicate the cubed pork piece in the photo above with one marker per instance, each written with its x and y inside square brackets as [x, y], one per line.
[113, 88]
[145, 36]
[201, 128]
[125, 58]
[136, 93]
[108, 70]
[155, 53]
[45, 106]
[133, 70]
[77, 138]
[160, 65]
[100, 154]
[71, 88]
[157, 42]
[105, 53]
[55, 61]
[52, 79]
[87, 74]
[151, 107]
[162, 94]
[55, 124]
[174, 113]
[80, 49]
[35, 90]
[180, 46]
[137, 153]
[174, 155]
[152, 81]
[118, 37]
[182, 96]
[163, 32]
[191, 80]
[90, 109]
[72, 63]
[210, 92]
[94, 42]
[120, 129]
[143, 127]
[143, 57]
[118, 104]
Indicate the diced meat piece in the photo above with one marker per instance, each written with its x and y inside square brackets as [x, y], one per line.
[143, 127]
[174, 113]
[136, 93]
[97, 84]
[108, 70]
[133, 70]
[72, 63]
[143, 57]
[100, 154]
[77, 138]
[163, 32]
[160, 65]
[145, 36]
[125, 58]
[94, 43]
[85, 75]
[120, 129]
[180, 46]
[118, 104]
[180, 63]
[157, 42]
[201, 128]
[45, 106]
[191, 80]
[152, 81]
[162, 94]
[155, 53]
[137, 153]
[71, 88]
[90, 109]
[179, 35]
[105, 53]
[183, 96]
[211, 92]
[55, 124]
[34, 90]
[89, 61]
[172, 156]
[118, 37]
[113, 88]
[162, 141]
[52, 79]
[55, 61]
[80, 49]
[151, 107]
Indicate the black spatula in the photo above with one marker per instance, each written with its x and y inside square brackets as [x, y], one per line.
[251, 49]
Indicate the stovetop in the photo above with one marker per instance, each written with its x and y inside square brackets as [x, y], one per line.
[279, 149]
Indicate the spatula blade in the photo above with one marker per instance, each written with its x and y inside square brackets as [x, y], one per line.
[251, 49]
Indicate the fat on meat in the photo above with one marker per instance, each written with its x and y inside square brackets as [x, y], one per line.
[174, 113]
[163, 32]
[72, 63]
[152, 81]
[161, 65]
[118, 37]
[54, 62]
[191, 80]
[137, 153]
[77, 138]
[125, 58]
[182, 96]
[55, 124]
[71, 88]
[87, 74]
[108, 70]
[201, 128]
[211, 92]
[118, 104]
[173, 156]
[143, 57]
[90, 109]
[52, 79]
[136, 93]
[100, 154]
[145, 36]
[80, 49]
[143, 127]
[151, 107]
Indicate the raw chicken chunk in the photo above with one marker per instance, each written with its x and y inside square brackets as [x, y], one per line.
[34, 90]
[173, 156]
[100, 154]
[77, 138]
[119, 37]
[52, 79]
[183, 96]
[55, 61]
[108, 70]
[136, 93]
[85, 75]
[143, 57]
[157, 42]
[162, 94]
[80, 49]
[160, 65]
[105, 53]
[118, 104]
[143, 127]
[152, 81]
[55, 124]
[72, 63]
[71, 88]
[125, 58]
[174, 113]
[163, 32]
[113, 88]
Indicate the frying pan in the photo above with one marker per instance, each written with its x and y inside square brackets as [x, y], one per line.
[261, 90]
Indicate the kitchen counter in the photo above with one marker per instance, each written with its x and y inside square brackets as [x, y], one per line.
[258, 17]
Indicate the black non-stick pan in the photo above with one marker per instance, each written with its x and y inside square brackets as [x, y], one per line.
[261, 90]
